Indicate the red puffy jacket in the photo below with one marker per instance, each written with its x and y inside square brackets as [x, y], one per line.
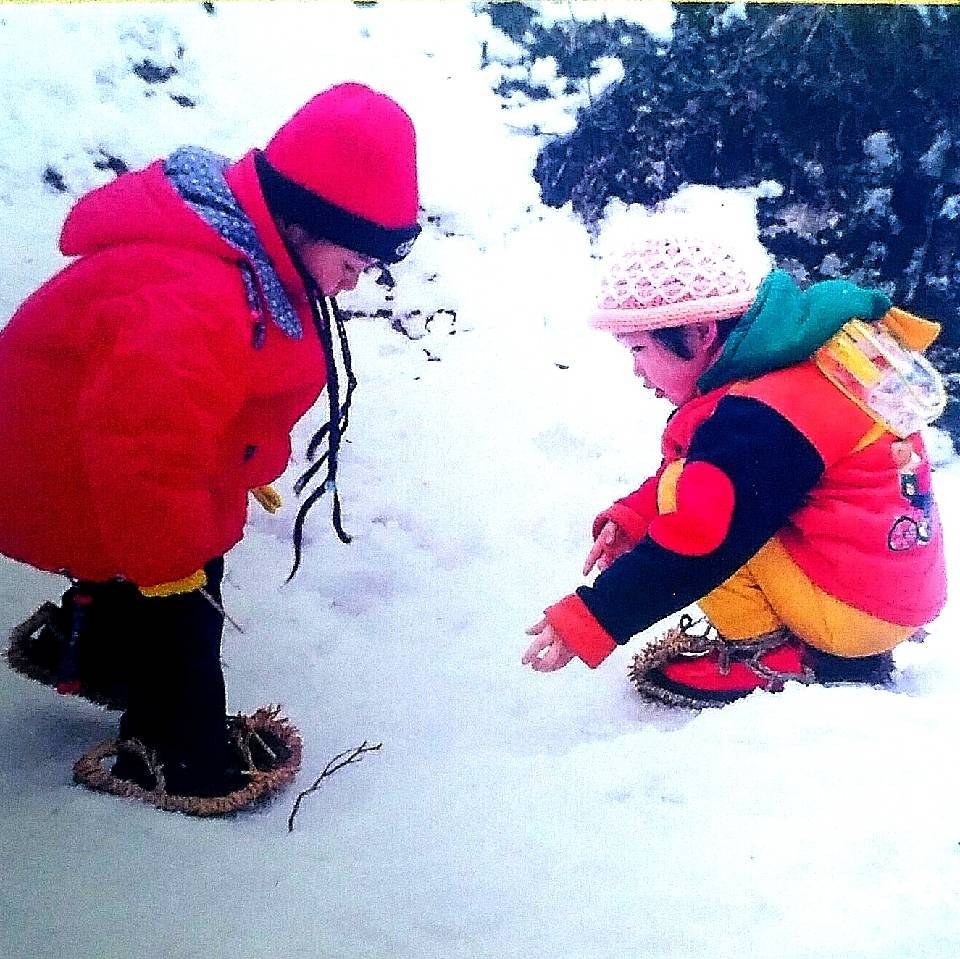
[135, 410]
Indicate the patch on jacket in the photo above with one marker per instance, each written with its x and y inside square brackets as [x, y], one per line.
[914, 527]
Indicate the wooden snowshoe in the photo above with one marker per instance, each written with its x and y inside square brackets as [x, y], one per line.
[267, 752]
[36, 650]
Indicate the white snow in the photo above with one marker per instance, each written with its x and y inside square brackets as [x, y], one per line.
[508, 814]
[951, 207]
[880, 150]
[732, 12]
[932, 161]
[609, 70]
[543, 72]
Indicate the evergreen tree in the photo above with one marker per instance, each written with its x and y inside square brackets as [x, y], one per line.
[853, 110]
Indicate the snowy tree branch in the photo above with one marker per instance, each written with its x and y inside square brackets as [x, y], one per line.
[345, 758]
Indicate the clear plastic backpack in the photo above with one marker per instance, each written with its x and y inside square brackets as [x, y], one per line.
[881, 368]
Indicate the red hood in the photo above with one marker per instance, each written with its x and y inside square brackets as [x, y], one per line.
[143, 206]
[140, 206]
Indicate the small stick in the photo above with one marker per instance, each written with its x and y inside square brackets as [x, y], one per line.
[345, 758]
[220, 609]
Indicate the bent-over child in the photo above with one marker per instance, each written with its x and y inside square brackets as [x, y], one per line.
[150, 386]
[793, 502]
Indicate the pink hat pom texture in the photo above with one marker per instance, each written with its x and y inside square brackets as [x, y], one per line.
[670, 281]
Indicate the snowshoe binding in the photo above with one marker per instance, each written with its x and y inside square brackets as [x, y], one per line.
[694, 666]
[265, 753]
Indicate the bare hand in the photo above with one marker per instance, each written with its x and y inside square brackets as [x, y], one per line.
[608, 546]
[548, 651]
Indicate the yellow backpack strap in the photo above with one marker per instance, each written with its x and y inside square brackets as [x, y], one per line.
[268, 498]
[912, 331]
[871, 436]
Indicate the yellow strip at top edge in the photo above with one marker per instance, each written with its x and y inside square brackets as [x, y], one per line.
[557, 3]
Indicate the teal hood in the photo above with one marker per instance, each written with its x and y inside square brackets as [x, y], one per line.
[786, 325]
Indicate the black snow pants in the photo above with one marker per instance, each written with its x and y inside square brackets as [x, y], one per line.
[177, 699]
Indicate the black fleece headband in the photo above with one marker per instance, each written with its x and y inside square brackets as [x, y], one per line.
[293, 203]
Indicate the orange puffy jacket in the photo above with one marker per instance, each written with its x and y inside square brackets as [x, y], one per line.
[138, 403]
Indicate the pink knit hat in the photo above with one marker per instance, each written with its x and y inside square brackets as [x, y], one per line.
[671, 280]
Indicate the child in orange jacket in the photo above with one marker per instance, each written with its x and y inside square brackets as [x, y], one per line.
[793, 501]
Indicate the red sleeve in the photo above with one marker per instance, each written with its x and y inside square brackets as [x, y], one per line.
[632, 513]
[579, 629]
[156, 414]
[705, 499]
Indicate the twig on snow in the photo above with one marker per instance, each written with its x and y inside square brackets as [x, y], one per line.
[345, 758]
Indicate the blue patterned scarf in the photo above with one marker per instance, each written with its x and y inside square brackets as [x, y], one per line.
[198, 176]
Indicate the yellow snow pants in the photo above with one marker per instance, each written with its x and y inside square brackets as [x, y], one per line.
[770, 591]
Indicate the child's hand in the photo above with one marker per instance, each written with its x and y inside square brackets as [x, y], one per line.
[555, 652]
[610, 545]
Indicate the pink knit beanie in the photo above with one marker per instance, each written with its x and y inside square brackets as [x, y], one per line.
[671, 280]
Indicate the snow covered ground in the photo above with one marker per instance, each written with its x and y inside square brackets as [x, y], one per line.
[508, 814]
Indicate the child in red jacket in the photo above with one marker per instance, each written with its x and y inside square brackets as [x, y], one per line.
[793, 502]
[151, 385]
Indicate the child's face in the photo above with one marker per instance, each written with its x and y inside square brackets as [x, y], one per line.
[662, 370]
[334, 269]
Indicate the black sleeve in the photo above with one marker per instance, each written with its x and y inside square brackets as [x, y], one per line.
[772, 466]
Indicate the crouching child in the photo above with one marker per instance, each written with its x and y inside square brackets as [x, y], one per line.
[793, 502]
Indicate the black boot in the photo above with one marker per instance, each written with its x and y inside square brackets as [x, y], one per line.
[267, 750]
[875, 670]
[177, 699]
